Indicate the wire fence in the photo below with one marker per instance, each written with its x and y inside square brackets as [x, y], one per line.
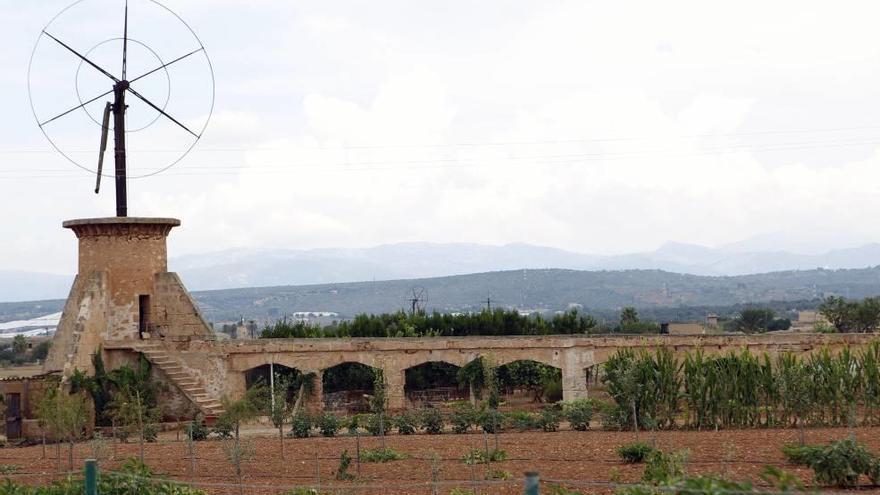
[315, 465]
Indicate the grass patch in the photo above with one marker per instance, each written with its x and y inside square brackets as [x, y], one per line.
[634, 453]
[381, 455]
[477, 456]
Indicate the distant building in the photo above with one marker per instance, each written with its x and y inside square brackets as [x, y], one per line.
[712, 320]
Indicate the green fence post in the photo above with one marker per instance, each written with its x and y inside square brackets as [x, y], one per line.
[531, 483]
[91, 472]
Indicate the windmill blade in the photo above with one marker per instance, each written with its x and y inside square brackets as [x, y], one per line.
[172, 119]
[178, 59]
[102, 71]
[125, 44]
[104, 127]
[62, 114]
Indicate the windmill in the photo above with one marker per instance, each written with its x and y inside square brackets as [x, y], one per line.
[76, 38]
[417, 299]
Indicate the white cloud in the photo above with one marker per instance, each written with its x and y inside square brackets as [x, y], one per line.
[594, 126]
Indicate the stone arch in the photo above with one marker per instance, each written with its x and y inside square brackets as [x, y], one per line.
[432, 382]
[260, 374]
[345, 384]
[536, 378]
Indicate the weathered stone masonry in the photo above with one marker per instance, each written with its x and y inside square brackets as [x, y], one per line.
[125, 302]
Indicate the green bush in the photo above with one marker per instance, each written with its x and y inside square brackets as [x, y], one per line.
[354, 423]
[463, 418]
[223, 427]
[196, 430]
[578, 413]
[151, 432]
[478, 456]
[300, 426]
[133, 477]
[342, 473]
[548, 420]
[376, 427]
[490, 420]
[553, 390]
[634, 453]
[522, 421]
[328, 424]
[661, 467]
[701, 485]
[432, 420]
[840, 463]
[404, 423]
[381, 455]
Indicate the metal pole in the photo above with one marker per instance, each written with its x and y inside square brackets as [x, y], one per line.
[91, 473]
[272, 383]
[119, 150]
[531, 483]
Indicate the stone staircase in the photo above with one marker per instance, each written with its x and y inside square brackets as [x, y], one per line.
[210, 406]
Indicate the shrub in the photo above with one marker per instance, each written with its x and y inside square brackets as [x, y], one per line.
[223, 427]
[405, 423]
[491, 421]
[196, 430]
[374, 426]
[328, 424]
[839, 463]
[151, 432]
[463, 418]
[381, 455]
[342, 473]
[634, 453]
[578, 413]
[354, 423]
[499, 474]
[522, 421]
[553, 390]
[300, 426]
[432, 420]
[661, 467]
[478, 456]
[548, 420]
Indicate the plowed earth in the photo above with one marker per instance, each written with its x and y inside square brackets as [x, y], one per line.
[586, 460]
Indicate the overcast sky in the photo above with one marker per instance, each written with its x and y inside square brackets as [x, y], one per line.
[598, 127]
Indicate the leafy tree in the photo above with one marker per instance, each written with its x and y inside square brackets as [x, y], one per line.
[236, 413]
[379, 401]
[19, 345]
[629, 316]
[278, 408]
[851, 316]
[65, 416]
[128, 410]
[473, 375]
[753, 320]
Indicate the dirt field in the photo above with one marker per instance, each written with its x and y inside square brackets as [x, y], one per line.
[582, 457]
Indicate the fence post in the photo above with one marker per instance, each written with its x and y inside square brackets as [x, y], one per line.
[531, 483]
[91, 474]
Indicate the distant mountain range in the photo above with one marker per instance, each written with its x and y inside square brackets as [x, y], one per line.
[265, 267]
[276, 267]
[657, 294]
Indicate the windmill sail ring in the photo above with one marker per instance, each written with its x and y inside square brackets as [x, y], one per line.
[143, 60]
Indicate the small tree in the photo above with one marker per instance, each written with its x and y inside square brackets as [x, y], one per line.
[66, 417]
[472, 375]
[278, 408]
[235, 413]
[754, 320]
[629, 316]
[129, 410]
[379, 401]
[19, 345]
